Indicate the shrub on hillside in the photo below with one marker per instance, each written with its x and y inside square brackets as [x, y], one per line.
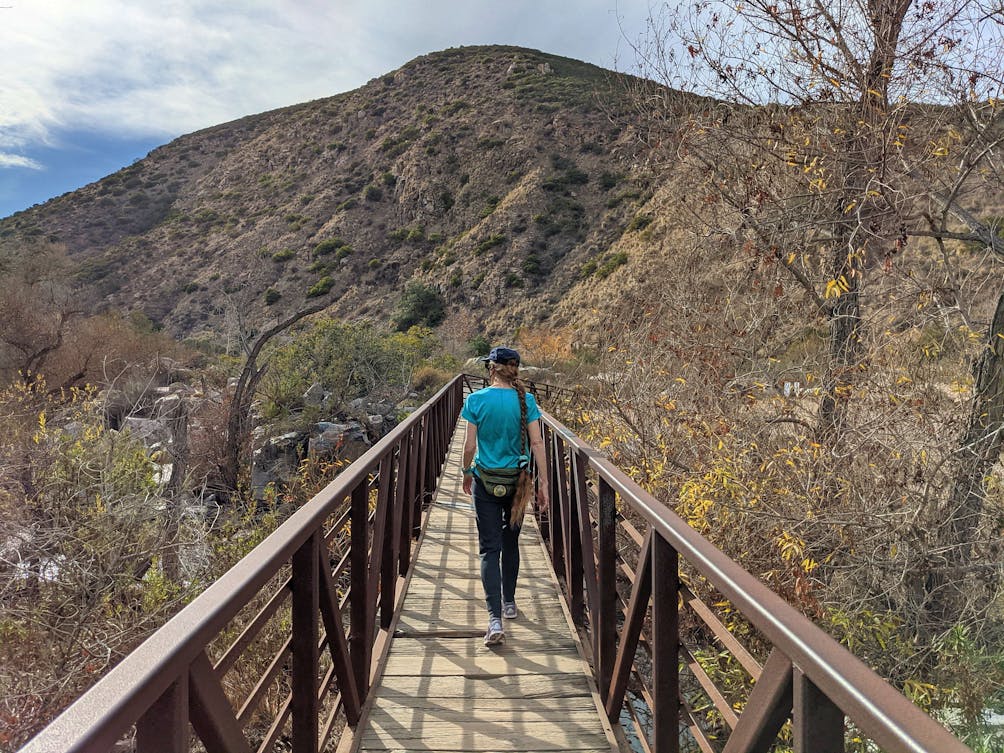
[420, 305]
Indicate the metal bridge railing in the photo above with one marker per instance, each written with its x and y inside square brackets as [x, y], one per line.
[292, 591]
[287, 599]
[808, 679]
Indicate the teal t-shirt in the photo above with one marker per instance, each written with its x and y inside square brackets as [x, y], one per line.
[495, 411]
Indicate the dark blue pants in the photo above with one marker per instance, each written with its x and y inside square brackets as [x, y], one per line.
[498, 543]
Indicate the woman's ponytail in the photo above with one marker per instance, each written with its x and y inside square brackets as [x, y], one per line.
[524, 486]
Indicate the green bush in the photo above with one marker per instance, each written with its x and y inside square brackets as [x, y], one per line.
[372, 193]
[284, 255]
[478, 346]
[328, 246]
[271, 296]
[489, 243]
[348, 204]
[640, 222]
[419, 305]
[491, 203]
[608, 180]
[321, 287]
[342, 252]
[613, 262]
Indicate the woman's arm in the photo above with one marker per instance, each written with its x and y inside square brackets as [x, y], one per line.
[540, 460]
[470, 447]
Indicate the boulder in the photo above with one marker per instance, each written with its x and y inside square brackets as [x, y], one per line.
[276, 461]
[147, 430]
[314, 395]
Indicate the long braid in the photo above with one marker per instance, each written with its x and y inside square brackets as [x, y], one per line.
[524, 487]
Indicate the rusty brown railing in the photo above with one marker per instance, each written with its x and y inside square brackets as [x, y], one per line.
[287, 599]
[810, 689]
[543, 391]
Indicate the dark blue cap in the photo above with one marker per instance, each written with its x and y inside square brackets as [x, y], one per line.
[502, 355]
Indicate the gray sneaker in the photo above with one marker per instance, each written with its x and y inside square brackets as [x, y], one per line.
[495, 634]
[509, 610]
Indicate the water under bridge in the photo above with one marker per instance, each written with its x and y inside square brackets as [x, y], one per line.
[357, 626]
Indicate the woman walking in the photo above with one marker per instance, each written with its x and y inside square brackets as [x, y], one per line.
[502, 431]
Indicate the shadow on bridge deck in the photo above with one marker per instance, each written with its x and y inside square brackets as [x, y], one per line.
[440, 689]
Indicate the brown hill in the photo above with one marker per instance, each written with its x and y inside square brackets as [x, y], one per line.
[499, 175]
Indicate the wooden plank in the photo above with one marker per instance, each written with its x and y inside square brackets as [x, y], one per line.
[445, 712]
[477, 705]
[477, 735]
[490, 663]
[411, 646]
[572, 684]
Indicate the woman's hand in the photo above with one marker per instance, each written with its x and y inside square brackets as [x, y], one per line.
[543, 500]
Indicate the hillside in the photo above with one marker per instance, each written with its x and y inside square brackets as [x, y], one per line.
[499, 175]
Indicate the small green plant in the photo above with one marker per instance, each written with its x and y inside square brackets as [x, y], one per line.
[608, 180]
[284, 255]
[513, 280]
[191, 287]
[329, 246]
[320, 287]
[420, 304]
[478, 345]
[374, 263]
[490, 204]
[639, 222]
[489, 243]
[372, 193]
[348, 204]
[271, 296]
[342, 252]
[613, 262]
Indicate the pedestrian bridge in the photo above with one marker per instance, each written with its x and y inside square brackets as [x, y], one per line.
[357, 626]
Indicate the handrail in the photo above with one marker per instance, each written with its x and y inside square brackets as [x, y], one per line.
[809, 677]
[155, 685]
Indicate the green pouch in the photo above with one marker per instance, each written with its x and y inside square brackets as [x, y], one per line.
[500, 482]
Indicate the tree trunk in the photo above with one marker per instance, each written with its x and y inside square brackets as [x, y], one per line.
[948, 593]
[238, 415]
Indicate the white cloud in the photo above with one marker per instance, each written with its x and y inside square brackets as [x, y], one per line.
[16, 160]
[145, 68]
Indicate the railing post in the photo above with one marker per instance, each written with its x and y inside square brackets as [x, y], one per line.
[573, 541]
[666, 646]
[587, 557]
[424, 471]
[164, 727]
[605, 628]
[391, 537]
[359, 641]
[305, 612]
[401, 525]
[817, 723]
[555, 514]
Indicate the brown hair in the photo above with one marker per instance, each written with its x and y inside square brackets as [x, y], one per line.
[524, 487]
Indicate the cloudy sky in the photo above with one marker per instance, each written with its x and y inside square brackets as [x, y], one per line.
[87, 86]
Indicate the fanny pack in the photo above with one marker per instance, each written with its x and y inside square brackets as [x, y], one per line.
[501, 482]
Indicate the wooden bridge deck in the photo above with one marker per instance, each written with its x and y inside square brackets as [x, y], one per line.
[442, 689]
